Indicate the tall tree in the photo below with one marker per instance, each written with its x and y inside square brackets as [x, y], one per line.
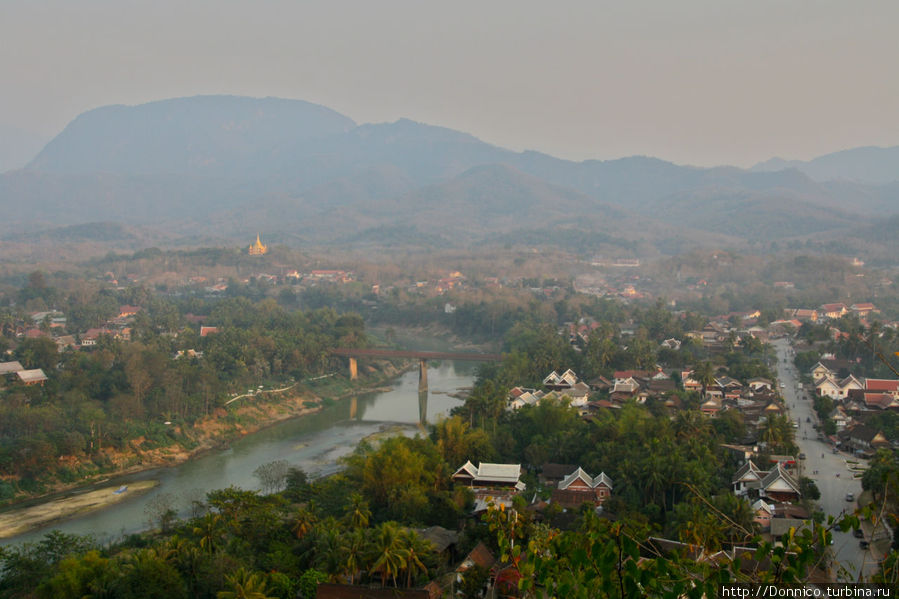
[388, 552]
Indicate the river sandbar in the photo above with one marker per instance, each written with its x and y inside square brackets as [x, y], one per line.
[18, 521]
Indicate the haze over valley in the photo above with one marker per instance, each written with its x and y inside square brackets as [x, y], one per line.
[399, 299]
[217, 169]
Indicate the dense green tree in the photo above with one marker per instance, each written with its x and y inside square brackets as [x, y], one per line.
[245, 585]
[357, 511]
[457, 442]
[389, 553]
[39, 352]
[400, 477]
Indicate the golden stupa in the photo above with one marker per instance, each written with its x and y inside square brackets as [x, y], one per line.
[258, 248]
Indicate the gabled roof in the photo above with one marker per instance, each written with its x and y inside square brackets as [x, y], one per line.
[579, 389]
[441, 538]
[711, 402]
[600, 381]
[762, 380]
[878, 400]
[863, 433]
[778, 473]
[467, 469]
[498, 472]
[577, 474]
[761, 504]
[32, 376]
[529, 398]
[834, 307]
[827, 378]
[747, 472]
[552, 378]
[849, 380]
[569, 377]
[602, 479]
[479, 556]
[889, 385]
[580, 474]
[726, 381]
[8, 367]
[819, 365]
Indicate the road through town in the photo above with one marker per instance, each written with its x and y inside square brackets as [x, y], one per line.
[830, 470]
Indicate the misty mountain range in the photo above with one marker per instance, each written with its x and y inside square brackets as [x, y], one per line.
[224, 167]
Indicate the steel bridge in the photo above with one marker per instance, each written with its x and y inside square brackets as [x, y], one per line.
[422, 356]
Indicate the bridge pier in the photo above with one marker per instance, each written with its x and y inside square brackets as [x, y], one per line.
[423, 407]
[354, 369]
[422, 374]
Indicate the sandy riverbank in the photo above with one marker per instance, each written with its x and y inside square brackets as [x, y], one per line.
[22, 520]
[213, 433]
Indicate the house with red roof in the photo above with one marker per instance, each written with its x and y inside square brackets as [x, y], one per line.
[863, 309]
[890, 386]
[579, 487]
[837, 310]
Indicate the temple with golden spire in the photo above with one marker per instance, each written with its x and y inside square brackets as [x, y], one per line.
[258, 248]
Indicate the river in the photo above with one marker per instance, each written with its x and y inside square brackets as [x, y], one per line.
[314, 442]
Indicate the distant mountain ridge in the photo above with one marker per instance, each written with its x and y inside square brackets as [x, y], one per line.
[872, 165]
[199, 135]
[232, 166]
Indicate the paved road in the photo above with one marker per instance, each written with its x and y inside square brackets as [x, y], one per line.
[830, 471]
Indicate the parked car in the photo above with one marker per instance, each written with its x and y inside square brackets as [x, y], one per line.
[850, 497]
[858, 533]
[864, 544]
[801, 456]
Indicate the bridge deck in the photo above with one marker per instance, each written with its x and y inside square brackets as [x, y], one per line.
[420, 355]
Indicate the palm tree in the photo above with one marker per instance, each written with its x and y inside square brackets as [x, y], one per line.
[245, 585]
[416, 548]
[654, 476]
[357, 514]
[704, 375]
[327, 550]
[776, 431]
[355, 549]
[388, 552]
[691, 424]
[187, 557]
[208, 531]
[304, 522]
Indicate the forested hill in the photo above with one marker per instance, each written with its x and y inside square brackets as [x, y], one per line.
[232, 166]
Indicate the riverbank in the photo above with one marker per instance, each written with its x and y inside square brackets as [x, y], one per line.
[18, 521]
[212, 433]
[316, 443]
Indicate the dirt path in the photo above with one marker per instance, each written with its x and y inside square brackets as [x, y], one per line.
[22, 520]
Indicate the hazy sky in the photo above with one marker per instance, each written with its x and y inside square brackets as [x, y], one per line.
[693, 81]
